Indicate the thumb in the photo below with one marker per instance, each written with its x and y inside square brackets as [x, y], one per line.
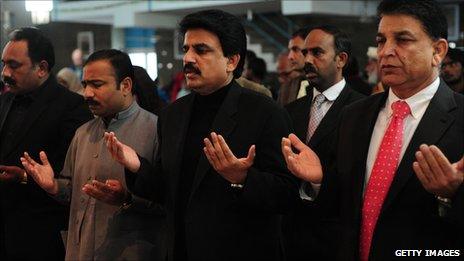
[251, 155]
[43, 158]
[460, 164]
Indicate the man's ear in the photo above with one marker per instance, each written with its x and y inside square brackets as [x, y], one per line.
[42, 69]
[126, 86]
[440, 49]
[232, 62]
[342, 59]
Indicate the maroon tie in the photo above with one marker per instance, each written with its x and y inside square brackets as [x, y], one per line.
[381, 176]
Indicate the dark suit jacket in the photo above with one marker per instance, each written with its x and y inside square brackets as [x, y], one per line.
[222, 223]
[300, 236]
[31, 220]
[409, 218]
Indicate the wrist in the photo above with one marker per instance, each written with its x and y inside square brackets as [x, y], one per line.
[134, 167]
[54, 189]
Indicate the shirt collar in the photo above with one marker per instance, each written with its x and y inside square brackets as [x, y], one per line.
[332, 92]
[417, 103]
[123, 114]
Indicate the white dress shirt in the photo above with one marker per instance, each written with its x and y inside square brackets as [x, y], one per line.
[418, 103]
[331, 94]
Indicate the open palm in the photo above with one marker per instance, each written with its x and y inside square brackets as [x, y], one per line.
[304, 164]
[42, 173]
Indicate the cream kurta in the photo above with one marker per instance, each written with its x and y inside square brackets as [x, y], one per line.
[98, 231]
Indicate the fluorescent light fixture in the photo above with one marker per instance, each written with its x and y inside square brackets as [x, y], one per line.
[40, 11]
[39, 6]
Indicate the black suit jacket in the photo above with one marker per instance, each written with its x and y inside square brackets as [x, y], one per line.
[222, 223]
[409, 218]
[301, 238]
[31, 220]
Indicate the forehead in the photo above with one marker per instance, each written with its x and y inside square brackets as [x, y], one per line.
[101, 69]
[296, 41]
[393, 24]
[16, 50]
[201, 36]
[319, 38]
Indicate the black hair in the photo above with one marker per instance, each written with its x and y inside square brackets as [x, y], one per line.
[226, 27]
[456, 55]
[39, 47]
[146, 91]
[120, 62]
[342, 42]
[428, 12]
[250, 55]
[302, 33]
[258, 68]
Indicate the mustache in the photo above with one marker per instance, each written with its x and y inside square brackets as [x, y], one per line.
[91, 102]
[189, 67]
[9, 80]
[309, 68]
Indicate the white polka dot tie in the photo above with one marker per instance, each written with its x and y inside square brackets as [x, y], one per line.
[381, 176]
[315, 116]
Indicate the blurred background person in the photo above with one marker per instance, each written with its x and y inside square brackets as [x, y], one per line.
[283, 68]
[146, 91]
[296, 88]
[255, 70]
[452, 70]
[371, 71]
[77, 60]
[68, 79]
[353, 79]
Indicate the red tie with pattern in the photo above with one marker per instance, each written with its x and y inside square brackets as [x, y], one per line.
[382, 175]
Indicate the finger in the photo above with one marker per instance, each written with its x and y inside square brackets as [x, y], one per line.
[460, 165]
[442, 161]
[296, 142]
[29, 159]
[292, 165]
[102, 187]
[210, 149]
[26, 164]
[44, 158]
[228, 154]
[424, 167]
[251, 156]
[420, 174]
[113, 183]
[435, 169]
[94, 192]
[217, 147]
[286, 148]
[209, 157]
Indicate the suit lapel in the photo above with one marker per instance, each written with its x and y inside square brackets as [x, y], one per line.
[177, 135]
[302, 117]
[5, 108]
[329, 121]
[434, 123]
[223, 124]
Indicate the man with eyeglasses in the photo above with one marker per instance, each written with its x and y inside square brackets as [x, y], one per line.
[452, 70]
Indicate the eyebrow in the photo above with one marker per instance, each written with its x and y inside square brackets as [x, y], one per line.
[400, 33]
[86, 82]
[199, 45]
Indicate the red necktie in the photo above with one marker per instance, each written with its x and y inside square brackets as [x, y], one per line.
[382, 175]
